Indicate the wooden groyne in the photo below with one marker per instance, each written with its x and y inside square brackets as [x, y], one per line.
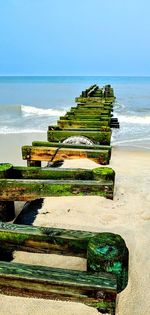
[84, 132]
[98, 286]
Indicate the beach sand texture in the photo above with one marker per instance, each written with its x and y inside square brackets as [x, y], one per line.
[128, 215]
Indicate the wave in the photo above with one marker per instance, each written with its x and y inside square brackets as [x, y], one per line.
[27, 110]
[134, 119]
[6, 130]
[31, 110]
[131, 140]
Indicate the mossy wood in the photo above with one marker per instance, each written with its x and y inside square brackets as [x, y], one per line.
[78, 117]
[68, 123]
[98, 173]
[98, 137]
[98, 291]
[100, 128]
[94, 106]
[5, 172]
[105, 252]
[27, 183]
[94, 112]
[45, 239]
[22, 190]
[67, 145]
[5, 169]
[95, 99]
[86, 110]
[35, 153]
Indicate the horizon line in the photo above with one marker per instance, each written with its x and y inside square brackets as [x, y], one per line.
[92, 75]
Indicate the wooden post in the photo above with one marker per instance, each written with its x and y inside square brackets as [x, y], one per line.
[34, 163]
[7, 209]
[107, 252]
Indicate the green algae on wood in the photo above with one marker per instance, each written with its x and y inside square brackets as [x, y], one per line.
[56, 154]
[105, 172]
[44, 239]
[22, 190]
[82, 123]
[78, 117]
[61, 284]
[107, 252]
[5, 170]
[100, 129]
[5, 214]
[51, 173]
[98, 173]
[67, 145]
[97, 137]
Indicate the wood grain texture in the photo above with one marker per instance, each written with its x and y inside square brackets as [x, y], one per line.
[41, 153]
[23, 190]
[77, 286]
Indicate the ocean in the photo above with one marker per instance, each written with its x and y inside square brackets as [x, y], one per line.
[30, 104]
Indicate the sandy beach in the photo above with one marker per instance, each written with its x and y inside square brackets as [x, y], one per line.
[128, 215]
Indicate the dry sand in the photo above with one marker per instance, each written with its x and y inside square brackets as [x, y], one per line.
[128, 215]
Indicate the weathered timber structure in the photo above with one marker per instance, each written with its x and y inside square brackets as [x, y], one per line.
[89, 123]
[28, 183]
[107, 265]
[84, 132]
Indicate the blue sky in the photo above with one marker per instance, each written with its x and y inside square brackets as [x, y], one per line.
[74, 37]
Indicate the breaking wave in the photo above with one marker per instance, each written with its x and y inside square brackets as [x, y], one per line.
[31, 110]
[134, 119]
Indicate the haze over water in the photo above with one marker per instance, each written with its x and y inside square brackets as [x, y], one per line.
[30, 104]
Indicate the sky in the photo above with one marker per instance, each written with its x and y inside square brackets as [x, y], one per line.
[75, 37]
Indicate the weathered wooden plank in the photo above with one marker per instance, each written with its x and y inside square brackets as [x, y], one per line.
[98, 173]
[61, 284]
[100, 107]
[92, 106]
[5, 171]
[85, 99]
[78, 117]
[22, 190]
[100, 129]
[44, 239]
[106, 252]
[66, 123]
[34, 153]
[97, 137]
[67, 145]
[88, 111]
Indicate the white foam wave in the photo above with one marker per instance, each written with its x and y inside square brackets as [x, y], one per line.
[131, 140]
[31, 110]
[6, 130]
[134, 119]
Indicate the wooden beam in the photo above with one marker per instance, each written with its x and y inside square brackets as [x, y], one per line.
[23, 190]
[22, 172]
[106, 252]
[41, 153]
[73, 146]
[66, 123]
[77, 286]
[98, 137]
[44, 239]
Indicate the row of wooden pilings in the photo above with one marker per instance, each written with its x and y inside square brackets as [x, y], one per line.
[84, 132]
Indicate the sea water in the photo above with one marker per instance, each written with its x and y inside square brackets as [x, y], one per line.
[30, 104]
